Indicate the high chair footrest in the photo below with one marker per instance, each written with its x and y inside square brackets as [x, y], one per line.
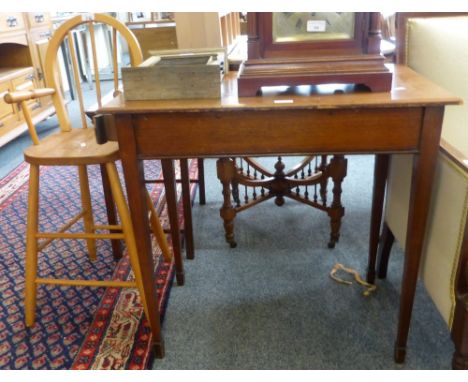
[94, 283]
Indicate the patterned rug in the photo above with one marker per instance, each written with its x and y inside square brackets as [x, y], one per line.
[76, 327]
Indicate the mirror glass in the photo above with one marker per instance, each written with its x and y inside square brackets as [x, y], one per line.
[312, 26]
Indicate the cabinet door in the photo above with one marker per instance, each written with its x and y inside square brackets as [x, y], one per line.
[40, 41]
[6, 110]
[10, 22]
[38, 19]
[27, 81]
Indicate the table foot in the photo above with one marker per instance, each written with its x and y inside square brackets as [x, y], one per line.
[180, 277]
[370, 278]
[399, 354]
[459, 362]
[333, 240]
[158, 348]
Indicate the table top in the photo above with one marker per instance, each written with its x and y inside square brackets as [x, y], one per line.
[409, 89]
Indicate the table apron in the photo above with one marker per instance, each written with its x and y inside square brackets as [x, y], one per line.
[255, 132]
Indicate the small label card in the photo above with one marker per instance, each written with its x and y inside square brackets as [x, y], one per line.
[316, 25]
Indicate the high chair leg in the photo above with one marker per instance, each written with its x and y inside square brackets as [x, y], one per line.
[127, 229]
[88, 219]
[158, 230]
[31, 246]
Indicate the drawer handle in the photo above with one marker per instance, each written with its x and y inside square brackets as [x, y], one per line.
[39, 18]
[45, 34]
[30, 77]
[35, 106]
[12, 22]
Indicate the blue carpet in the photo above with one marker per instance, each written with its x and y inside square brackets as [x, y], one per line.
[270, 303]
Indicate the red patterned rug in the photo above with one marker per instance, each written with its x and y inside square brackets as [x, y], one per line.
[76, 327]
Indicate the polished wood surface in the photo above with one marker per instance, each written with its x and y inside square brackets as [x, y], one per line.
[407, 119]
[409, 89]
[70, 148]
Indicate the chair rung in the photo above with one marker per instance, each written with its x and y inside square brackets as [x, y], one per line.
[71, 222]
[108, 227]
[68, 235]
[94, 283]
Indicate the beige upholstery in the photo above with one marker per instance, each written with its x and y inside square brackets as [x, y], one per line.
[438, 49]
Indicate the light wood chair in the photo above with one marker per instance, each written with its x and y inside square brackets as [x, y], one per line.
[78, 147]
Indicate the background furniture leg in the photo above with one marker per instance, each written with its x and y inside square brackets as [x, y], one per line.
[460, 320]
[338, 166]
[201, 181]
[171, 199]
[226, 173]
[187, 204]
[386, 242]
[111, 213]
[378, 196]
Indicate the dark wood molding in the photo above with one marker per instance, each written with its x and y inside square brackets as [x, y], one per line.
[460, 321]
[400, 29]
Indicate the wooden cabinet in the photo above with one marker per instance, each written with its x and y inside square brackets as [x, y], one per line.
[211, 30]
[39, 19]
[10, 22]
[23, 42]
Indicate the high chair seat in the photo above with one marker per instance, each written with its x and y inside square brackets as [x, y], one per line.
[76, 147]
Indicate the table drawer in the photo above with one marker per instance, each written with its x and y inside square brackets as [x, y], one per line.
[38, 19]
[11, 21]
[41, 34]
[25, 81]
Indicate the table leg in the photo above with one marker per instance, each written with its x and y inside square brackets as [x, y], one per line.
[111, 214]
[338, 168]
[378, 196]
[386, 242]
[226, 171]
[187, 204]
[136, 191]
[171, 200]
[421, 185]
[201, 181]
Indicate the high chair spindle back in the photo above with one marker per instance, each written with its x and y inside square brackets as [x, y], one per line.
[67, 34]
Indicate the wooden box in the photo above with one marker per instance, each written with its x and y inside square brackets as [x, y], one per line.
[174, 76]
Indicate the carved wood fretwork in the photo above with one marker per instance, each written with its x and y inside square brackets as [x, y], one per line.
[306, 183]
